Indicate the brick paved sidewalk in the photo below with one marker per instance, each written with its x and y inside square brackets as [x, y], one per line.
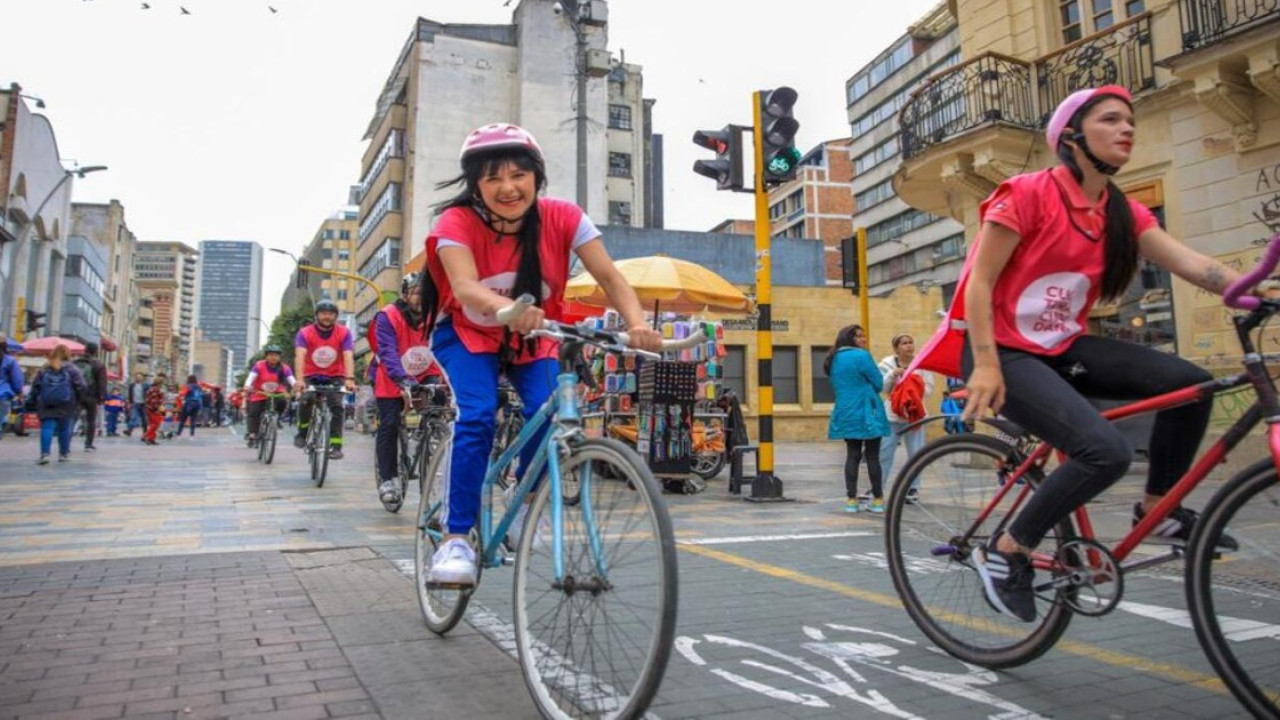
[299, 635]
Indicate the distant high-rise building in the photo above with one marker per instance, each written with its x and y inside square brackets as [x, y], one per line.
[231, 295]
[332, 248]
[104, 224]
[166, 273]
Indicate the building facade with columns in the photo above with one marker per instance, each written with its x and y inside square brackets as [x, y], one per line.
[35, 204]
[1205, 78]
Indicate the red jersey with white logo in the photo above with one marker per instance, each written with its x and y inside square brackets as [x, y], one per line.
[1042, 299]
[324, 355]
[269, 380]
[497, 260]
[414, 349]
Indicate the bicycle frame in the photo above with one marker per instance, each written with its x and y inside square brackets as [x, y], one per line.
[1265, 407]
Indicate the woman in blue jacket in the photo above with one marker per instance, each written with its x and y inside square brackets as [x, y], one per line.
[858, 418]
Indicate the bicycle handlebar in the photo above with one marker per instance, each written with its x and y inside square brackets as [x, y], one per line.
[508, 314]
[1234, 296]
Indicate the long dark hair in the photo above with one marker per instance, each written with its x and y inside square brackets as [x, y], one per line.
[474, 168]
[845, 338]
[1121, 251]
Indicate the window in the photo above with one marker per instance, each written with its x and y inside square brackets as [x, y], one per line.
[393, 146]
[388, 201]
[898, 225]
[786, 375]
[735, 371]
[344, 254]
[881, 69]
[619, 164]
[619, 213]
[873, 195]
[342, 294]
[1095, 16]
[387, 255]
[876, 155]
[620, 117]
[820, 385]
[344, 234]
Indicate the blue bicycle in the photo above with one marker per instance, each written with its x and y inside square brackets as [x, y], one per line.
[595, 565]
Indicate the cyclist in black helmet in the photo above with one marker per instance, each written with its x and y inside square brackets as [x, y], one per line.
[324, 356]
[268, 375]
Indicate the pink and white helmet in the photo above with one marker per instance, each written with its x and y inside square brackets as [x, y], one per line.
[1069, 107]
[499, 135]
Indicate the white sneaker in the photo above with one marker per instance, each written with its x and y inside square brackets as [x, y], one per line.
[454, 563]
[517, 522]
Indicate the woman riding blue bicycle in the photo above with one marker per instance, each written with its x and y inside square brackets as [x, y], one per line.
[1051, 244]
[495, 240]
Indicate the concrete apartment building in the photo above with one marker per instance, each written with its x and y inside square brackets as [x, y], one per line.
[333, 247]
[1205, 77]
[35, 204]
[83, 287]
[104, 224]
[230, 296]
[451, 78]
[166, 273]
[905, 245]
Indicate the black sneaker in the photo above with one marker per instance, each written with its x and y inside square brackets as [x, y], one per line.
[300, 440]
[1179, 526]
[913, 496]
[1008, 580]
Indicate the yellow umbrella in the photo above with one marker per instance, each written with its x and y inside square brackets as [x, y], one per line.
[670, 283]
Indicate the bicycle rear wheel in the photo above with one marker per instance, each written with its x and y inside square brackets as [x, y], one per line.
[267, 439]
[441, 607]
[597, 643]
[932, 566]
[1234, 596]
[321, 449]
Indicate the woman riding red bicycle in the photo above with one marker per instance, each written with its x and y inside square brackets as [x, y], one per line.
[1051, 244]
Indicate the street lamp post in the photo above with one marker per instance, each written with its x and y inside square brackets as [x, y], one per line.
[21, 237]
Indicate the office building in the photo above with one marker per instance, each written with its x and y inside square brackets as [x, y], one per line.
[166, 273]
[230, 295]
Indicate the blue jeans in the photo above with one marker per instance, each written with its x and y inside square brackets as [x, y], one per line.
[137, 417]
[113, 419]
[474, 379]
[914, 440]
[63, 427]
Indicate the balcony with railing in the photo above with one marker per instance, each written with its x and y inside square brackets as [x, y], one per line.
[988, 112]
[1205, 22]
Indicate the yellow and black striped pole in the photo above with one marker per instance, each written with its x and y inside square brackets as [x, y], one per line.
[766, 486]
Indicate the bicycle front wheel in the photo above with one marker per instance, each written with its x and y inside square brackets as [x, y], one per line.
[930, 546]
[442, 607]
[267, 439]
[1233, 594]
[321, 449]
[595, 641]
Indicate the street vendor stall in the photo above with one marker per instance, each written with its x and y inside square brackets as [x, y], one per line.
[667, 409]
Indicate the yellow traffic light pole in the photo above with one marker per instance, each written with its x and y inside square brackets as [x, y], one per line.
[765, 486]
[377, 291]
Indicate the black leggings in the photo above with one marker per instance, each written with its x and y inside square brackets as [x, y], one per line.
[1046, 396]
[855, 450]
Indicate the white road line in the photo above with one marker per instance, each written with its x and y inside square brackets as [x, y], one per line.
[737, 539]
[1235, 629]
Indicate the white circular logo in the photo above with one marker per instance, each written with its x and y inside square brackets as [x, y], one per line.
[270, 386]
[416, 360]
[503, 284]
[324, 356]
[1048, 308]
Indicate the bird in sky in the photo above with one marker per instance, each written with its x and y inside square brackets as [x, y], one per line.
[146, 6]
[272, 9]
[184, 10]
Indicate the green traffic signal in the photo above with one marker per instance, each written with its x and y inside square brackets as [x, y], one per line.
[778, 132]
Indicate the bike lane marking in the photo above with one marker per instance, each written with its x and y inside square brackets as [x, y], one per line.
[1110, 657]
[738, 539]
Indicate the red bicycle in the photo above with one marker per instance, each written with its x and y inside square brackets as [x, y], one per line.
[972, 485]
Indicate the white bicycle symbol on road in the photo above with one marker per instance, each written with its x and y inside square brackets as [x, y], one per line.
[864, 649]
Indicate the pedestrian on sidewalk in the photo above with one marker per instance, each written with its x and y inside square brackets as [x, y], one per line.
[112, 407]
[56, 393]
[904, 405]
[136, 397]
[154, 404]
[858, 417]
[191, 401]
[10, 385]
[95, 393]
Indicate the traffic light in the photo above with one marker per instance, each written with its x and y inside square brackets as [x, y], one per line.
[35, 321]
[300, 276]
[778, 130]
[726, 169]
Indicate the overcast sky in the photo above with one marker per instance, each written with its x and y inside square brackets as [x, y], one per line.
[234, 122]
